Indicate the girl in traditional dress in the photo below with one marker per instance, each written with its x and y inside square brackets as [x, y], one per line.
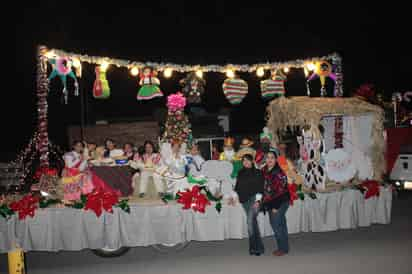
[147, 164]
[75, 179]
[149, 85]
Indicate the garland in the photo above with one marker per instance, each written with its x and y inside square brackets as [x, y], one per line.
[299, 63]
[97, 201]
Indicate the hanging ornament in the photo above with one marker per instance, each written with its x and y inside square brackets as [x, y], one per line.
[273, 87]
[149, 85]
[322, 71]
[62, 67]
[193, 88]
[235, 89]
[101, 89]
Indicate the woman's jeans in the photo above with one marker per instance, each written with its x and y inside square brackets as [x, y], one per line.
[255, 241]
[280, 228]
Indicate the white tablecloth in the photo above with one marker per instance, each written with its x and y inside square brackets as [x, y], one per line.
[56, 229]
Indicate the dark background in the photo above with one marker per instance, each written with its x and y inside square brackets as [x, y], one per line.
[373, 41]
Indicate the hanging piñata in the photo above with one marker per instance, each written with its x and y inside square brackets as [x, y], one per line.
[193, 88]
[101, 89]
[323, 71]
[149, 85]
[62, 67]
[235, 89]
[273, 87]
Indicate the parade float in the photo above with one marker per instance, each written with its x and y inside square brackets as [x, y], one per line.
[201, 205]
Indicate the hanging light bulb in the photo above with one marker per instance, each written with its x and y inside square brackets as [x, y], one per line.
[78, 66]
[134, 71]
[50, 54]
[286, 69]
[311, 66]
[104, 66]
[168, 72]
[230, 73]
[76, 63]
[199, 73]
[260, 72]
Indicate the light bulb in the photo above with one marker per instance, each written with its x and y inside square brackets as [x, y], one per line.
[230, 73]
[286, 69]
[168, 73]
[306, 72]
[199, 73]
[134, 71]
[76, 63]
[104, 66]
[260, 72]
[50, 54]
[311, 66]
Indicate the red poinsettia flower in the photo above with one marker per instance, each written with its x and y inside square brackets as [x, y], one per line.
[371, 187]
[99, 201]
[366, 91]
[293, 192]
[193, 199]
[26, 206]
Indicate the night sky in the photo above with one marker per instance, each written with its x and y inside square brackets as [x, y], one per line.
[373, 41]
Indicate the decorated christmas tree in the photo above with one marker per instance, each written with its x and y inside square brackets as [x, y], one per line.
[177, 125]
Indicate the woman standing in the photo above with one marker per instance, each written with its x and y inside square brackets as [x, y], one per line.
[276, 201]
[249, 187]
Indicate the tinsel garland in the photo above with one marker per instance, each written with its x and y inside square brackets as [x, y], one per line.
[338, 71]
[42, 90]
[98, 60]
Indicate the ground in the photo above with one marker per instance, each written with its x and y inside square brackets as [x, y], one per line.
[376, 249]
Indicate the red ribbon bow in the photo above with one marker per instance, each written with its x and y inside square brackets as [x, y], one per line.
[372, 188]
[292, 193]
[99, 200]
[26, 206]
[193, 199]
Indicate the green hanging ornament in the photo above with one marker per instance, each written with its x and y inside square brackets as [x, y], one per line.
[101, 89]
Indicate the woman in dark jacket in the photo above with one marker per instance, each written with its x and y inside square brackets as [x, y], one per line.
[249, 187]
[276, 201]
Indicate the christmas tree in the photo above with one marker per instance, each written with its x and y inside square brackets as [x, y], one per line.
[177, 125]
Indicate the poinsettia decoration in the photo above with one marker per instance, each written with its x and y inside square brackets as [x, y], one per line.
[193, 199]
[25, 206]
[295, 192]
[100, 200]
[369, 188]
[366, 92]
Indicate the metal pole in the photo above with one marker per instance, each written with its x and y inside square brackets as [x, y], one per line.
[81, 91]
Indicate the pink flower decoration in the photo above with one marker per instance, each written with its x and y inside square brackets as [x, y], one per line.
[63, 65]
[176, 102]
